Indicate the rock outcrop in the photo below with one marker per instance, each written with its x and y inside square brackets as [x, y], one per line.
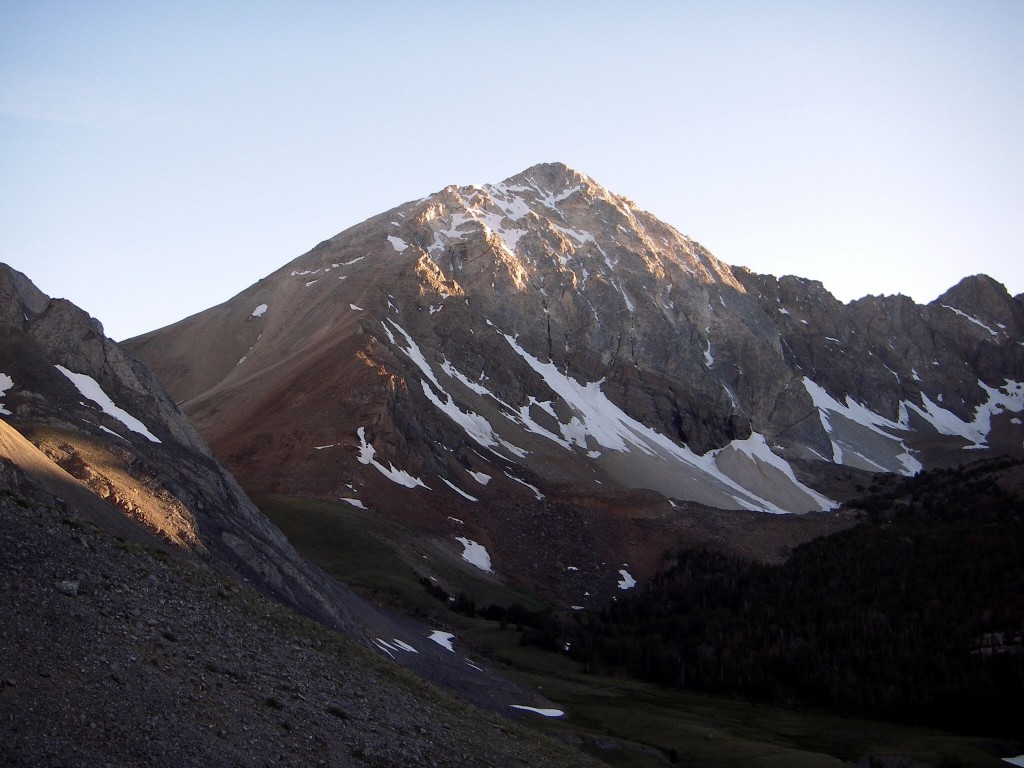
[92, 425]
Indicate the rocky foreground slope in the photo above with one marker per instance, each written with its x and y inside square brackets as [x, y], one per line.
[112, 653]
[543, 342]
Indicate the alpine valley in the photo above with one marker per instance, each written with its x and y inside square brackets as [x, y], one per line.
[494, 443]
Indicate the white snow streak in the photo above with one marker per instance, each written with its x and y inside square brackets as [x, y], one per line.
[539, 710]
[536, 491]
[90, 389]
[476, 426]
[395, 645]
[366, 456]
[458, 491]
[397, 243]
[974, 320]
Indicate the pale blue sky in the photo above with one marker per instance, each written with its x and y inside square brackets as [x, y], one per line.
[155, 159]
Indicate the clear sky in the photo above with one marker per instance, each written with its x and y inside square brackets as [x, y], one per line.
[157, 158]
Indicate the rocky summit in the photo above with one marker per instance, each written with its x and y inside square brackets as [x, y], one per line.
[543, 344]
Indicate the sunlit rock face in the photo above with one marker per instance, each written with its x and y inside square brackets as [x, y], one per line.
[544, 338]
[88, 427]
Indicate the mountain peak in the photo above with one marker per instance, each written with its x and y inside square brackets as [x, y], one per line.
[977, 287]
[986, 303]
[553, 177]
[19, 297]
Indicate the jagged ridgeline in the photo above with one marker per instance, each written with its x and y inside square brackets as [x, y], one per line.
[543, 339]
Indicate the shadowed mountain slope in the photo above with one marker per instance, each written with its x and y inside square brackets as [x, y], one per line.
[86, 430]
[542, 340]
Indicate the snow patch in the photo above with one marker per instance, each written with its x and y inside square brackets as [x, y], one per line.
[544, 712]
[459, 491]
[1009, 397]
[354, 308]
[397, 243]
[536, 491]
[627, 581]
[757, 448]
[473, 424]
[6, 382]
[354, 502]
[444, 639]
[598, 419]
[580, 237]
[89, 388]
[385, 646]
[475, 554]
[859, 414]
[260, 311]
[366, 456]
[476, 426]
[974, 320]
[108, 431]
[460, 377]
[480, 477]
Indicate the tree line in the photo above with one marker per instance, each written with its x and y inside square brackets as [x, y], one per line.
[915, 614]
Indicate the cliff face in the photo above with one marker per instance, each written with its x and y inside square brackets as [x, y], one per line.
[91, 427]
